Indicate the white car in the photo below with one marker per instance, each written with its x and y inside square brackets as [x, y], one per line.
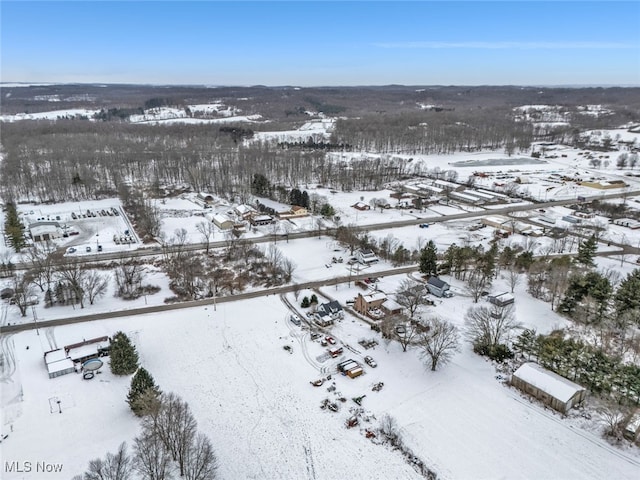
[370, 361]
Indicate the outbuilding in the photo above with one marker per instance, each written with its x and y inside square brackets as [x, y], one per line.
[437, 287]
[502, 299]
[554, 390]
[58, 363]
[223, 222]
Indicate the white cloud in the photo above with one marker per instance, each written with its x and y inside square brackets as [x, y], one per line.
[506, 45]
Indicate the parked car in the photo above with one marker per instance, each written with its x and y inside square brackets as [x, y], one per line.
[370, 361]
[88, 248]
[99, 248]
[370, 280]
[448, 294]
[424, 225]
[71, 250]
[295, 319]
[331, 340]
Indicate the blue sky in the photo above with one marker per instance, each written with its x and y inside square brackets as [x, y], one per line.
[321, 43]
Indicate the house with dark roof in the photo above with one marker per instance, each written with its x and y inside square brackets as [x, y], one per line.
[437, 287]
[327, 313]
[366, 256]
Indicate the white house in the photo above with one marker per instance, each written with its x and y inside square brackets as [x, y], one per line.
[366, 257]
[327, 313]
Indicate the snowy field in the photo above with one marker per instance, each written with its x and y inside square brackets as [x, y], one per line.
[254, 400]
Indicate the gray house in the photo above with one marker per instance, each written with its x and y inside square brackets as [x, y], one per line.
[437, 287]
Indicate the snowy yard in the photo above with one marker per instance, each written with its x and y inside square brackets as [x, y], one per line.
[254, 400]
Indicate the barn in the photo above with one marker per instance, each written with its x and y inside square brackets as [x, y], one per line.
[558, 392]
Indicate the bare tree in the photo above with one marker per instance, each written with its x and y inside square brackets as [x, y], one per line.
[175, 425]
[74, 273]
[201, 462]
[411, 295]
[513, 277]
[288, 267]
[22, 293]
[440, 343]
[129, 276]
[396, 327]
[207, 232]
[490, 326]
[116, 466]
[151, 459]
[612, 417]
[95, 285]
[42, 264]
[476, 284]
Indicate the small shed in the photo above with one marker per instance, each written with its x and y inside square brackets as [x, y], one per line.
[437, 287]
[502, 299]
[554, 390]
[58, 363]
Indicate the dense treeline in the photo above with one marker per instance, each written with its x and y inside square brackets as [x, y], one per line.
[75, 160]
[435, 132]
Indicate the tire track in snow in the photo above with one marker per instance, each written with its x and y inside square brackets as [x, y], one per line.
[258, 394]
[8, 359]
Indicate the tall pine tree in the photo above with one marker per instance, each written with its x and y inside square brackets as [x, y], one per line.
[142, 383]
[429, 259]
[124, 358]
[587, 251]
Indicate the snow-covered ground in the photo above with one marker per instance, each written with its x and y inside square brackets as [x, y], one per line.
[254, 400]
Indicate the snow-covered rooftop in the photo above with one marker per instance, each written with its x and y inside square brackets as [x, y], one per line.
[550, 382]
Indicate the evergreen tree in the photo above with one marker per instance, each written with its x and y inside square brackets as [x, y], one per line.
[141, 383]
[587, 251]
[429, 259]
[260, 185]
[327, 210]
[13, 228]
[628, 294]
[305, 302]
[314, 299]
[124, 358]
[304, 202]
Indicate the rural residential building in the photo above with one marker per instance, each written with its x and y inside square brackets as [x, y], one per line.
[294, 212]
[558, 392]
[258, 220]
[92, 348]
[327, 313]
[370, 304]
[366, 256]
[244, 211]
[361, 206]
[437, 287]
